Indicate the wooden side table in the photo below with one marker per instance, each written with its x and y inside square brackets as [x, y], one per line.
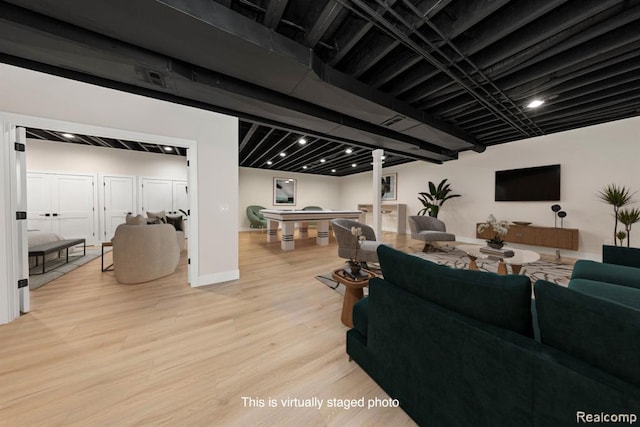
[353, 292]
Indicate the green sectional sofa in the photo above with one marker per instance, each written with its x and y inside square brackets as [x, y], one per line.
[456, 347]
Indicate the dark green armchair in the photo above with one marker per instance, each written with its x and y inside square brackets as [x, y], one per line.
[256, 220]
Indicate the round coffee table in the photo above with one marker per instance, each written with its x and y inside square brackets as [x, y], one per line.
[520, 257]
[353, 292]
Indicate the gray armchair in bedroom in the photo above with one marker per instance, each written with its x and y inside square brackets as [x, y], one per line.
[429, 230]
[367, 252]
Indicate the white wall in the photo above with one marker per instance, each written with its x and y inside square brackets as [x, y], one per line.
[591, 158]
[55, 156]
[33, 97]
[256, 188]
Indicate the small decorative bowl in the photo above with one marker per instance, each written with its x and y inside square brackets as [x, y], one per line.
[521, 222]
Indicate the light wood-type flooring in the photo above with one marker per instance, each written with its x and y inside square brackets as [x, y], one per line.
[93, 352]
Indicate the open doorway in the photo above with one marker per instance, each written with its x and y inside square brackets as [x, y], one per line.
[82, 187]
[77, 199]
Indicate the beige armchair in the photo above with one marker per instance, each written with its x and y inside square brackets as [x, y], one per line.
[367, 252]
[144, 252]
[429, 230]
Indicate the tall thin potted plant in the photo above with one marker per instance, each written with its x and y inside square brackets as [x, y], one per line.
[616, 196]
[628, 217]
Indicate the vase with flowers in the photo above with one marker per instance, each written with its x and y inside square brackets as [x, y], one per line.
[354, 264]
[499, 228]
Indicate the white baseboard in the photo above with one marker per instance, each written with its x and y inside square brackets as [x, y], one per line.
[212, 279]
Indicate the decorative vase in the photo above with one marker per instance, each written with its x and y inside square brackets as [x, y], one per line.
[495, 245]
[354, 270]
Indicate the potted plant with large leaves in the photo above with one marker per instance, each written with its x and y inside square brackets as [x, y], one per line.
[435, 198]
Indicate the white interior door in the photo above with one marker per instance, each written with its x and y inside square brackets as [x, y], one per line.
[39, 202]
[180, 196]
[119, 200]
[74, 207]
[157, 195]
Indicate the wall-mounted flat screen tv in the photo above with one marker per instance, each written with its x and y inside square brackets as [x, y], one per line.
[541, 183]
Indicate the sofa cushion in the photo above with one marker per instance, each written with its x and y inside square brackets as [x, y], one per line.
[500, 300]
[621, 294]
[600, 332]
[360, 316]
[609, 273]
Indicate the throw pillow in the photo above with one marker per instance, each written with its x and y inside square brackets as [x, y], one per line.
[161, 215]
[135, 220]
[177, 221]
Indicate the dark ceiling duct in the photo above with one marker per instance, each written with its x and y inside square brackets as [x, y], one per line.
[273, 70]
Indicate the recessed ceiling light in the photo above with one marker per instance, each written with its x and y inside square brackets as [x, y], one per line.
[283, 154]
[269, 162]
[333, 170]
[304, 167]
[322, 160]
[68, 135]
[302, 141]
[168, 148]
[535, 103]
[353, 165]
[348, 151]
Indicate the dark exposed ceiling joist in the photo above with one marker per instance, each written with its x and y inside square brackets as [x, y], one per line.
[609, 33]
[326, 18]
[568, 19]
[395, 64]
[245, 140]
[448, 92]
[504, 22]
[517, 121]
[463, 14]
[275, 9]
[353, 33]
[603, 100]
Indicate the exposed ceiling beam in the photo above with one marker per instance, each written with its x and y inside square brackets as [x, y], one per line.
[569, 19]
[247, 137]
[504, 22]
[326, 18]
[462, 14]
[352, 35]
[274, 12]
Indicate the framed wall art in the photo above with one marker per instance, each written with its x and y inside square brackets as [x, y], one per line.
[284, 191]
[389, 186]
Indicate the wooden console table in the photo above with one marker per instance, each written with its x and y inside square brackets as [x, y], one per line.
[551, 237]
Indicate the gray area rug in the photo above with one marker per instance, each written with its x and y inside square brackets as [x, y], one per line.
[545, 270]
[56, 267]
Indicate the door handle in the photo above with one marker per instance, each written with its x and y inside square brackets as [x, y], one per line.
[55, 214]
[47, 214]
